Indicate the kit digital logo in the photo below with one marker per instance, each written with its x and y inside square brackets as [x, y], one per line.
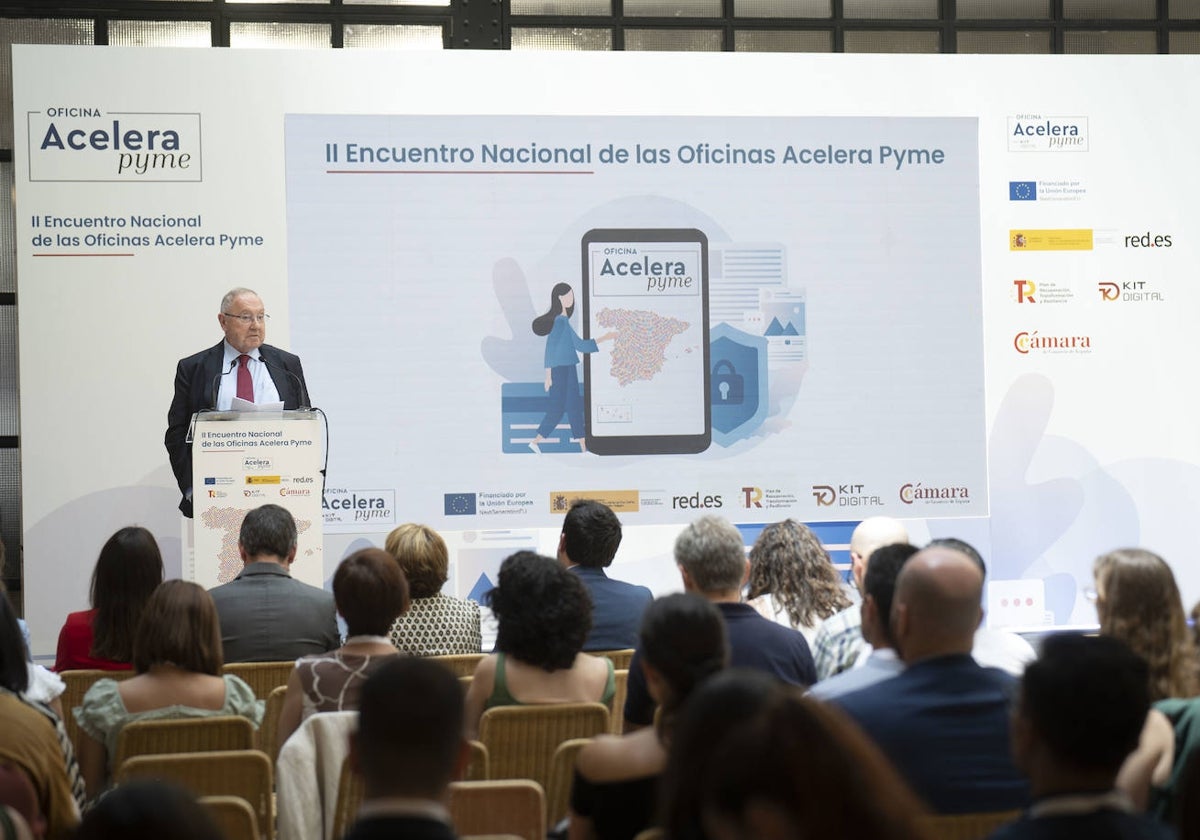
[1128, 291]
[88, 143]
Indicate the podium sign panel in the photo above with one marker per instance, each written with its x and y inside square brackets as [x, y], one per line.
[241, 461]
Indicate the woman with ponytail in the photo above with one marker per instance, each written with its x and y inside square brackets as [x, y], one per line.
[614, 796]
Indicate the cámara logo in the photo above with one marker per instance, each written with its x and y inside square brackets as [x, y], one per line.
[1026, 342]
[87, 143]
[912, 493]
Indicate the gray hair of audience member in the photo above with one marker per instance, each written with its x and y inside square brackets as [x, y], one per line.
[233, 294]
[713, 554]
[1113, 682]
[963, 546]
[148, 810]
[879, 583]
[268, 531]
[409, 741]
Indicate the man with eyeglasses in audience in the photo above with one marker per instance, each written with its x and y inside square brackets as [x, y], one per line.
[241, 366]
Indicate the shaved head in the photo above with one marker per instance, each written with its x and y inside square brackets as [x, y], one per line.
[936, 609]
[873, 533]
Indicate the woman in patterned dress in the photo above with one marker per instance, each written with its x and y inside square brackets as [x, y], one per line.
[435, 624]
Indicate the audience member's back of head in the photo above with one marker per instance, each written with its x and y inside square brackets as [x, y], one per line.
[683, 639]
[370, 592]
[963, 547]
[788, 562]
[936, 606]
[712, 553]
[268, 531]
[879, 582]
[14, 671]
[148, 811]
[1085, 699]
[179, 626]
[591, 534]
[409, 740]
[800, 768]
[714, 708]
[422, 555]
[128, 570]
[543, 612]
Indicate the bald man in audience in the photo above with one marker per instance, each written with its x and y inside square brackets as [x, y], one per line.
[944, 721]
[839, 638]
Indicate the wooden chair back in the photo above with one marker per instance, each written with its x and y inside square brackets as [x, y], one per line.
[77, 684]
[521, 740]
[620, 658]
[514, 806]
[967, 826]
[263, 677]
[244, 773]
[233, 815]
[268, 733]
[461, 664]
[183, 735]
[562, 774]
[478, 765]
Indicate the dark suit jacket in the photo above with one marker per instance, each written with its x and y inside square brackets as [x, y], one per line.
[268, 616]
[1098, 825]
[400, 828]
[943, 722]
[617, 609]
[196, 389]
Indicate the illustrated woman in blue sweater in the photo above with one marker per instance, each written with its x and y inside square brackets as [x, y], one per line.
[563, 347]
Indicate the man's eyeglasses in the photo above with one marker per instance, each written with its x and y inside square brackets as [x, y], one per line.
[251, 319]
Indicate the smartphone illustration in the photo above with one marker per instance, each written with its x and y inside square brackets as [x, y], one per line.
[645, 300]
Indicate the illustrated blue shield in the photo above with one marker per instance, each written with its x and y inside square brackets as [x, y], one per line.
[738, 373]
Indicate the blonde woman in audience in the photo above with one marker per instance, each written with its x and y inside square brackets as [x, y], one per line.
[544, 614]
[435, 624]
[1138, 602]
[177, 657]
[792, 580]
[614, 794]
[370, 592]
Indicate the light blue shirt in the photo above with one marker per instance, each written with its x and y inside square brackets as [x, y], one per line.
[264, 385]
[563, 346]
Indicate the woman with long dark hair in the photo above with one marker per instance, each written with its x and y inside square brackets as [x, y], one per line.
[563, 346]
[129, 568]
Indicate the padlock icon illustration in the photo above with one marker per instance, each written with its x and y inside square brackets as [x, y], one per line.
[727, 388]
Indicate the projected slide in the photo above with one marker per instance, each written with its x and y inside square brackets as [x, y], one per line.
[675, 315]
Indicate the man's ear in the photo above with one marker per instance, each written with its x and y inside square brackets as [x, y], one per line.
[242, 553]
[291, 558]
[746, 572]
[688, 585]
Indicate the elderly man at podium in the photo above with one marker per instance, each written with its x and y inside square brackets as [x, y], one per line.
[242, 367]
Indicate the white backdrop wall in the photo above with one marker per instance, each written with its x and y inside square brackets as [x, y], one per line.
[995, 344]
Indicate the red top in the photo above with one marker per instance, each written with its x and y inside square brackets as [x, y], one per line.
[75, 646]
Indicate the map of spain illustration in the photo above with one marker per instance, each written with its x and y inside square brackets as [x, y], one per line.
[640, 348]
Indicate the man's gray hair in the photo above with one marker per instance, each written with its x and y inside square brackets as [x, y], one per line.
[227, 301]
[713, 554]
[268, 531]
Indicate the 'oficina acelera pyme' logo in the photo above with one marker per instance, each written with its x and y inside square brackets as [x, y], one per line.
[91, 144]
[1035, 133]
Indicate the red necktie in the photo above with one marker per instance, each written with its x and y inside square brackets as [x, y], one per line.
[245, 383]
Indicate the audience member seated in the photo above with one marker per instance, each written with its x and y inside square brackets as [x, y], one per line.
[993, 647]
[615, 790]
[792, 580]
[127, 571]
[798, 768]
[544, 614]
[1138, 602]
[267, 615]
[839, 638]
[944, 721]
[587, 545]
[17, 793]
[408, 748]
[177, 656]
[145, 810]
[1080, 710]
[881, 660]
[435, 624]
[715, 708]
[370, 592]
[712, 561]
[32, 738]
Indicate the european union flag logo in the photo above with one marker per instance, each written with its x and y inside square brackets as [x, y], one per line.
[208, 479]
[1022, 190]
[460, 504]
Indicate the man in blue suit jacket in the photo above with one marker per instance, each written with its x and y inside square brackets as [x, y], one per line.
[590, 536]
[207, 381]
[944, 721]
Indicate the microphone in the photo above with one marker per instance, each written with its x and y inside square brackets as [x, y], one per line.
[217, 379]
[301, 391]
